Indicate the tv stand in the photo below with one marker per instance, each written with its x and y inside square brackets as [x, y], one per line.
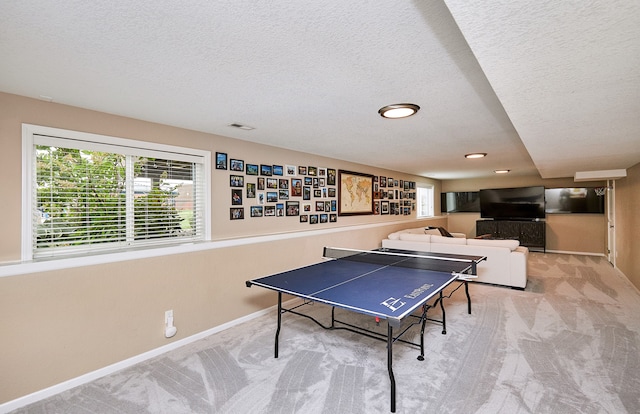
[531, 234]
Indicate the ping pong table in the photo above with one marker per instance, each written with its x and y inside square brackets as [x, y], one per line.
[388, 284]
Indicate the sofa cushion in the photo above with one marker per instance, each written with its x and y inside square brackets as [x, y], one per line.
[510, 244]
[415, 237]
[448, 240]
[394, 236]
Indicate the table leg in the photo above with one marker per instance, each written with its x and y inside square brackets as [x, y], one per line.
[466, 290]
[444, 318]
[390, 366]
[279, 323]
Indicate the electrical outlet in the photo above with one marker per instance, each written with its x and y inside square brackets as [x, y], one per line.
[168, 317]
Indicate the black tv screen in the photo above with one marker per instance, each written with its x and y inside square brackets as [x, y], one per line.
[460, 202]
[586, 200]
[522, 203]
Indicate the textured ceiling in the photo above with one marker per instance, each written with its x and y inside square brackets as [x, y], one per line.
[543, 87]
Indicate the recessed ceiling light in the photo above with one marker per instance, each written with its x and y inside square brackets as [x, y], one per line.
[398, 110]
[476, 155]
[501, 171]
[240, 126]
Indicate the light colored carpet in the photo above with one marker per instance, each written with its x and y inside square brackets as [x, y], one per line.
[569, 343]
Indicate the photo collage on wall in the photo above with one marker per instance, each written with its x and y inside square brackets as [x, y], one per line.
[394, 197]
[268, 190]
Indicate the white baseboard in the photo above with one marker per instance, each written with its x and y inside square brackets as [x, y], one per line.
[110, 369]
[568, 252]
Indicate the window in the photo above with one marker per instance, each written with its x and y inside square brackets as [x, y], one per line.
[86, 193]
[425, 201]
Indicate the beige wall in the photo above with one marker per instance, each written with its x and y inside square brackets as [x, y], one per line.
[580, 233]
[60, 324]
[628, 224]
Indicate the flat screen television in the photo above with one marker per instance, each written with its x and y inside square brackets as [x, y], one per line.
[460, 202]
[522, 203]
[585, 200]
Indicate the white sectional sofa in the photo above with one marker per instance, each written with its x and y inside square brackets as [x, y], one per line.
[506, 262]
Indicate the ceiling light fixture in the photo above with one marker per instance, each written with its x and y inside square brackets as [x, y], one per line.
[476, 155]
[395, 111]
[501, 171]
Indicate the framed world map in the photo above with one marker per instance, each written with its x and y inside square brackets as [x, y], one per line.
[355, 193]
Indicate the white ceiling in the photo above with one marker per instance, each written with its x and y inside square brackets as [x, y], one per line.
[544, 87]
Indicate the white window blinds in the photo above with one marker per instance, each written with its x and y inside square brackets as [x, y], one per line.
[88, 194]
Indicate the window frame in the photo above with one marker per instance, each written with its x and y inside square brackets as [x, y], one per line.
[419, 211]
[33, 135]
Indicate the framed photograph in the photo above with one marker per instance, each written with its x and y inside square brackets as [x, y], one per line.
[272, 196]
[283, 194]
[221, 160]
[355, 193]
[251, 190]
[322, 172]
[293, 208]
[331, 176]
[270, 211]
[278, 170]
[383, 182]
[304, 218]
[306, 193]
[272, 183]
[312, 171]
[283, 183]
[266, 170]
[260, 183]
[384, 207]
[252, 169]
[302, 170]
[260, 198]
[296, 187]
[324, 218]
[290, 170]
[256, 211]
[236, 181]
[313, 219]
[331, 192]
[236, 197]
[236, 213]
[334, 205]
[333, 218]
[317, 193]
[279, 210]
[236, 165]
[308, 181]
[319, 205]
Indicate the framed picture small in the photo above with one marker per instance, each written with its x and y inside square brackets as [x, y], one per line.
[252, 169]
[272, 196]
[221, 160]
[331, 192]
[283, 183]
[272, 183]
[251, 190]
[384, 207]
[279, 210]
[322, 172]
[317, 193]
[236, 165]
[324, 218]
[296, 187]
[266, 170]
[312, 171]
[290, 170]
[306, 193]
[308, 181]
[260, 198]
[293, 208]
[260, 183]
[236, 213]
[333, 218]
[313, 219]
[236, 197]
[319, 205]
[256, 211]
[304, 218]
[278, 170]
[331, 176]
[302, 170]
[283, 194]
[236, 180]
[270, 211]
[306, 207]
